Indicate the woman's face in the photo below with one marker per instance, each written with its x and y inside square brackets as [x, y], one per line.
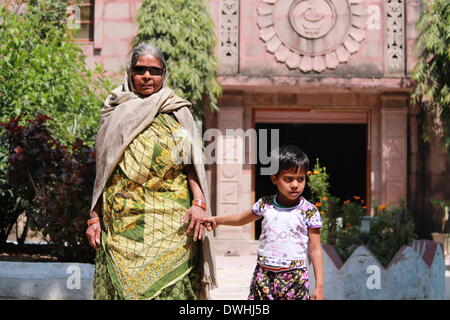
[147, 75]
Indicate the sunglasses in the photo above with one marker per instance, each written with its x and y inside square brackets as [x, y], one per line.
[154, 71]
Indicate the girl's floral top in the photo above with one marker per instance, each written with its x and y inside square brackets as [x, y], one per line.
[284, 235]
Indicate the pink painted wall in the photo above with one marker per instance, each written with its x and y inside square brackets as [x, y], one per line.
[115, 27]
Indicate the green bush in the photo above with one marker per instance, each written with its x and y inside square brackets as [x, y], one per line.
[54, 183]
[390, 228]
[43, 71]
[185, 33]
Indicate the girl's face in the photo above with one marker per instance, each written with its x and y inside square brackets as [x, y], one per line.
[290, 184]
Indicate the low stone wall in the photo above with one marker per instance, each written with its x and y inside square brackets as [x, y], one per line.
[417, 272]
[46, 280]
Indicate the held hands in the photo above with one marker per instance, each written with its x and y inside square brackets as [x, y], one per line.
[196, 214]
[210, 223]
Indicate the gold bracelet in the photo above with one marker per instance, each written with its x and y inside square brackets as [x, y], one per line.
[199, 203]
[92, 221]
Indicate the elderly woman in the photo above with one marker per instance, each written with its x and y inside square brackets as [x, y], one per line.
[150, 191]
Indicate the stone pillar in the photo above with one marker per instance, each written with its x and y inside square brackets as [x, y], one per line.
[229, 171]
[394, 117]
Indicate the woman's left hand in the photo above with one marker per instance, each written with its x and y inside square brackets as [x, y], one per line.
[196, 214]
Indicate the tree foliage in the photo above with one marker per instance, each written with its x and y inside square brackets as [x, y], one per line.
[185, 33]
[43, 71]
[432, 71]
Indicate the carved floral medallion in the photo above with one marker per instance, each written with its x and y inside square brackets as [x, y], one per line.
[312, 35]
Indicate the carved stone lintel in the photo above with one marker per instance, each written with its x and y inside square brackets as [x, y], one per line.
[229, 37]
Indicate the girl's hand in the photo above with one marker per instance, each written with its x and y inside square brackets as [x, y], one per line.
[318, 294]
[196, 214]
[93, 234]
[210, 223]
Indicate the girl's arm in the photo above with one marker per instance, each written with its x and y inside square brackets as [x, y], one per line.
[238, 219]
[315, 255]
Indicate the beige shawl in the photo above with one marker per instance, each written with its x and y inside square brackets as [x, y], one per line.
[126, 114]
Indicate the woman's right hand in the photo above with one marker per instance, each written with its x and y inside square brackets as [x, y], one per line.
[93, 234]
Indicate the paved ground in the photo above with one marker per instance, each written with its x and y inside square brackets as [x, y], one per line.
[234, 274]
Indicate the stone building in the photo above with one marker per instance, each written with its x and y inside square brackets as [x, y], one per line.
[332, 76]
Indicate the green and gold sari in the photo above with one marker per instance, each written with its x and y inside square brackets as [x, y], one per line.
[145, 252]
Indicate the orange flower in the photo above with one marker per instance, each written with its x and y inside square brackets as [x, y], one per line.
[365, 207]
[309, 172]
[316, 172]
[322, 212]
[318, 204]
[356, 197]
[346, 201]
[325, 198]
[382, 207]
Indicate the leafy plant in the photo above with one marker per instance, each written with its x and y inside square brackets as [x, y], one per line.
[445, 205]
[432, 70]
[390, 229]
[185, 32]
[55, 181]
[43, 72]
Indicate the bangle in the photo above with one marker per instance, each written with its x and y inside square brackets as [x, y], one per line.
[92, 221]
[199, 203]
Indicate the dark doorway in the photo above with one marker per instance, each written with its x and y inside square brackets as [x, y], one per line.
[341, 148]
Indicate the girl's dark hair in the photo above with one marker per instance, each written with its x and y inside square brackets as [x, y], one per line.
[291, 158]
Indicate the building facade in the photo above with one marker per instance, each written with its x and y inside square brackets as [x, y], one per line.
[331, 76]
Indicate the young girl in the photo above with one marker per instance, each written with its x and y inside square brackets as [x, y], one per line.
[290, 232]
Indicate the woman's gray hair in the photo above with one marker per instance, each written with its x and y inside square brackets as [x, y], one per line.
[147, 48]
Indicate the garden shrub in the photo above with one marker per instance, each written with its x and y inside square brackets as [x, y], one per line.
[55, 181]
[390, 228]
[43, 71]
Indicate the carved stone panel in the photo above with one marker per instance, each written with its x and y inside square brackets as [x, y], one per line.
[229, 37]
[395, 37]
[312, 35]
